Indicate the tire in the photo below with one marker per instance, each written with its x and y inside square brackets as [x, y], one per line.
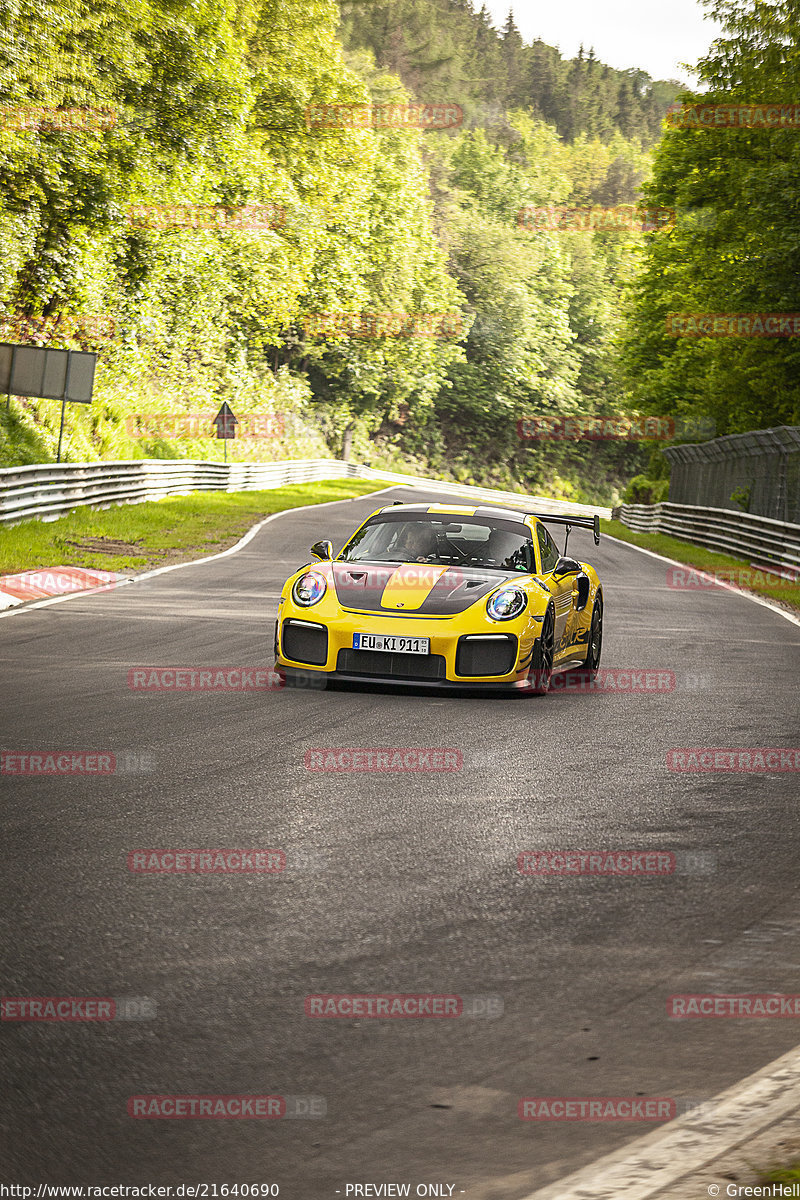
[595, 647]
[541, 671]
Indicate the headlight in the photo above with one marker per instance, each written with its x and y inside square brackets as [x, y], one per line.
[506, 604]
[309, 589]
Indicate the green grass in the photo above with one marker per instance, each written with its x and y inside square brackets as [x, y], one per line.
[175, 529]
[733, 570]
[783, 1175]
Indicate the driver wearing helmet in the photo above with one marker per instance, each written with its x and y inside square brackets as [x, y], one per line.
[504, 549]
[416, 543]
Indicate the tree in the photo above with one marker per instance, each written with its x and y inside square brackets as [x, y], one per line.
[735, 246]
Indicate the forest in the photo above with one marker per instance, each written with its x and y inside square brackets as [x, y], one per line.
[254, 201]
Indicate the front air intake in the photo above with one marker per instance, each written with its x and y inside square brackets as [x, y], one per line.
[486, 654]
[305, 642]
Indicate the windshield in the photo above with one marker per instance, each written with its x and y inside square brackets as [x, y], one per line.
[499, 544]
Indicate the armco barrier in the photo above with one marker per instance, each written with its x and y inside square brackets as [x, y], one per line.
[54, 488]
[742, 534]
[47, 490]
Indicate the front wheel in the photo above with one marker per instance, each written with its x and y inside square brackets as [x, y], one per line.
[595, 647]
[541, 671]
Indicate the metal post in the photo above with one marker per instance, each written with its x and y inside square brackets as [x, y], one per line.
[61, 431]
[64, 404]
[10, 377]
[782, 491]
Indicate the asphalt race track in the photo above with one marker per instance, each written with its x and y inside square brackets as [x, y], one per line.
[395, 883]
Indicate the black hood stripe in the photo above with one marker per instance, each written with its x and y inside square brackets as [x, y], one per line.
[361, 586]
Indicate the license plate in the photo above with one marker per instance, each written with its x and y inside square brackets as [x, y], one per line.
[392, 643]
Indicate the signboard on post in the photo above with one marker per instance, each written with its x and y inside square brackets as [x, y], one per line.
[65, 375]
[47, 374]
[226, 424]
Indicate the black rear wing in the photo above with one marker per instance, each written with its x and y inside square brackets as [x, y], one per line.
[571, 523]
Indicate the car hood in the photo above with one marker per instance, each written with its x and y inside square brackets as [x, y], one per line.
[423, 588]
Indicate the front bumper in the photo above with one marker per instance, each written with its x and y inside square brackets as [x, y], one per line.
[460, 656]
[318, 680]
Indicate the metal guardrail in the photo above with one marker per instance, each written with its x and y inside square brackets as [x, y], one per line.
[51, 489]
[742, 534]
[48, 490]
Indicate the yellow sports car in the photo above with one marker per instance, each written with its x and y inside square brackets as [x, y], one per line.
[445, 596]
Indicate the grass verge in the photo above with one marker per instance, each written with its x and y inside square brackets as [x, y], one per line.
[737, 571]
[785, 1175]
[137, 537]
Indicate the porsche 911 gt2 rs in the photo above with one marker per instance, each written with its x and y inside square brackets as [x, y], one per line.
[445, 596]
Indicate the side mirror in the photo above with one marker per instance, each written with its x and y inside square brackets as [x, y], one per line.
[323, 550]
[566, 566]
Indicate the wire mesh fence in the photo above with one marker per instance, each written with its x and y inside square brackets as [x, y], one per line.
[757, 472]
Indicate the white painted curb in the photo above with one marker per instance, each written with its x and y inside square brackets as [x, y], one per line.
[667, 1156]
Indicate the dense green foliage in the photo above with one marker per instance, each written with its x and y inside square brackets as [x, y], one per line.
[736, 244]
[210, 102]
